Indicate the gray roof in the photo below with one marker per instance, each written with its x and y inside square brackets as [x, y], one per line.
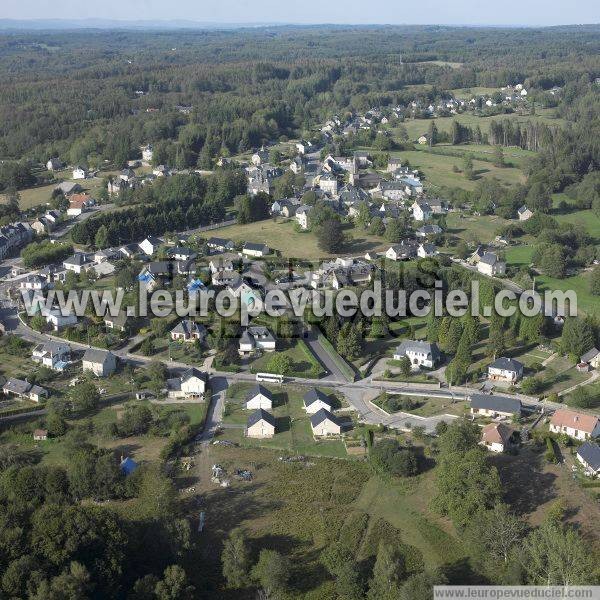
[590, 355]
[188, 327]
[260, 415]
[252, 246]
[590, 453]
[419, 346]
[193, 372]
[313, 395]
[489, 258]
[321, 415]
[77, 259]
[507, 364]
[17, 386]
[259, 389]
[96, 356]
[502, 404]
[220, 242]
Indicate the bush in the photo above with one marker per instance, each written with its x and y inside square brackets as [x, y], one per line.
[388, 457]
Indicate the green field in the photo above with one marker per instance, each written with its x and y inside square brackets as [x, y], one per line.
[282, 236]
[439, 170]
[471, 228]
[417, 127]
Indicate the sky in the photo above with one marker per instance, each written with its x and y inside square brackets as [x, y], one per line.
[451, 12]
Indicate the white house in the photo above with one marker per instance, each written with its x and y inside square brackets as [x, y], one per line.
[54, 164]
[420, 353]
[53, 355]
[220, 244]
[505, 369]
[592, 358]
[405, 250]
[490, 264]
[57, 320]
[147, 154]
[421, 211]
[302, 213]
[524, 213]
[324, 423]
[259, 397]
[425, 250]
[489, 405]
[192, 384]
[261, 424]
[329, 183]
[256, 338]
[102, 363]
[257, 250]
[576, 425]
[314, 400]
[588, 455]
[24, 389]
[497, 437]
[77, 263]
[79, 173]
[150, 245]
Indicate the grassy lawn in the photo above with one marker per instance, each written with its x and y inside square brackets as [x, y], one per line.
[587, 219]
[303, 362]
[469, 228]
[404, 504]
[513, 156]
[293, 431]
[282, 236]
[560, 374]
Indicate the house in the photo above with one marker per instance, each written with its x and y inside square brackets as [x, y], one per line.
[40, 435]
[127, 175]
[57, 320]
[421, 211]
[188, 331]
[422, 139]
[118, 323]
[489, 405]
[150, 245]
[52, 355]
[314, 400]
[524, 213]
[78, 262]
[588, 455]
[261, 424]
[259, 397]
[303, 146]
[41, 226]
[505, 369]
[161, 171]
[33, 282]
[425, 250]
[489, 264]
[192, 384]
[256, 338]
[106, 254]
[182, 253]
[394, 162]
[79, 173]
[23, 389]
[324, 423]
[79, 203]
[420, 353]
[405, 250]
[54, 164]
[591, 358]
[428, 230]
[302, 213]
[257, 250]
[129, 250]
[260, 157]
[328, 183]
[498, 437]
[576, 425]
[220, 245]
[100, 362]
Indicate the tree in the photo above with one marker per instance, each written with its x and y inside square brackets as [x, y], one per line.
[388, 457]
[101, 238]
[595, 281]
[272, 571]
[556, 555]
[235, 559]
[420, 585]
[493, 535]
[553, 261]
[280, 363]
[577, 336]
[174, 585]
[38, 322]
[388, 572]
[157, 497]
[538, 197]
[468, 168]
[394, 231]
[330, 236]
[498, 157]
[84, 396]
[377, 227]
[432, 136]
[348, 582]
[405, 366]
[348, 342]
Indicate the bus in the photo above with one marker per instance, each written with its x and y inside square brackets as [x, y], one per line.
[269, 377]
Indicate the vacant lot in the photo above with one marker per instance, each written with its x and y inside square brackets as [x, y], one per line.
[471, 228]
[283, 236]
[440, 170]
